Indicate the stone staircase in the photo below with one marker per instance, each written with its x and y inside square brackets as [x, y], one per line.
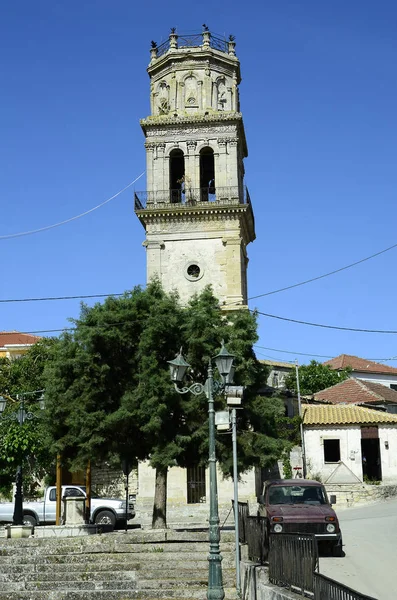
[143, 565]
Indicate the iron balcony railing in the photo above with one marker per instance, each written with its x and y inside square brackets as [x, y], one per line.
[191, 197]
[194, 41]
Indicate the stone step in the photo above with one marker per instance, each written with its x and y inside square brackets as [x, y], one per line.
[165, 557]
[174, 578]
[192, 594]
[61, 548]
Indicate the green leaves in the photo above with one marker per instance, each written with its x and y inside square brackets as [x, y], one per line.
[315, 377]
[28, 442]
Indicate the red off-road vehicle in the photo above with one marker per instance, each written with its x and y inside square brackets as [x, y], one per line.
[301, 506]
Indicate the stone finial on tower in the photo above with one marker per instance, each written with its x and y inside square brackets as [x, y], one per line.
[153, 50]
[232, 45]
[206, 36]
[173, 39]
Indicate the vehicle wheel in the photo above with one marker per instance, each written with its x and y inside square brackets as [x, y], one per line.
[29, 520]
[105, 517]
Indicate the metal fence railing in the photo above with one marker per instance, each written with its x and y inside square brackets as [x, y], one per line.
[257, 539]
[243, 513]
[328, 589]
[293, 560]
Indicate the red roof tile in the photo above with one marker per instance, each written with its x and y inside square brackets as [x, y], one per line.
[362, 365]
[8, 338]
[357, 391]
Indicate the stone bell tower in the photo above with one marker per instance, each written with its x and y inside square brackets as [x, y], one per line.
[196, 210]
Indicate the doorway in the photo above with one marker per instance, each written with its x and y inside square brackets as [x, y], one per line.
[370, 452]
[196, 485]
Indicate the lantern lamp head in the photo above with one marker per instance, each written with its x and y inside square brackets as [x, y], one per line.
[224, 361]
[178, 368]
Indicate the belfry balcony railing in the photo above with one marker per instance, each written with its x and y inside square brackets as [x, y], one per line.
[194, 41]
[191, 197]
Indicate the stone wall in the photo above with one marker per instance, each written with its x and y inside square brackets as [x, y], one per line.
[110, 482]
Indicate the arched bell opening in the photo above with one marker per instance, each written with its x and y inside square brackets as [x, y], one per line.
[207, 174]
[177, 175]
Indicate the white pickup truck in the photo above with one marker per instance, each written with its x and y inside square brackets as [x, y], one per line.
[104, 511]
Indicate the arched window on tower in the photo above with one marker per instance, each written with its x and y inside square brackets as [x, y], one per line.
[207, 174]
[177, 175]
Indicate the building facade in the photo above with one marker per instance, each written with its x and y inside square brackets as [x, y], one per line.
[347, 444]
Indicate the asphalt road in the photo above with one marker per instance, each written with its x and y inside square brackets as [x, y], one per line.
[370, 545]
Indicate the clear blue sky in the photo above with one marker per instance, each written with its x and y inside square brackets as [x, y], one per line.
[319, 102]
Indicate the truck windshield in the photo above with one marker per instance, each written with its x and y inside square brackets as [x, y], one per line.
[296, 494]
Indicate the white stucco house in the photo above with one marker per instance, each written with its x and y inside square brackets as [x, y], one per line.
[347, 444]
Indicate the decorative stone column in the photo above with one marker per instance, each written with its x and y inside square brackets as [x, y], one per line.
[173, 40]
[153, 52]
[206, 39]
[153, 258]
[231, 46]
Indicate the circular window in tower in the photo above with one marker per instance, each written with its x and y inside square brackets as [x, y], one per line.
[193, 272]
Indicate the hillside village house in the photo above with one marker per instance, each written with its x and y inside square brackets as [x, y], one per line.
[363, 368]
[348, 444]
[13, 344]
[361, 392]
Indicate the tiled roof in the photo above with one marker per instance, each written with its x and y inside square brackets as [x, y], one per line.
[8, 338]
[325, 414]
[356, 391]
[276, 363]
[362, 365]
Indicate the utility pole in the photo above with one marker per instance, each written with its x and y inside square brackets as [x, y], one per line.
[300, 415]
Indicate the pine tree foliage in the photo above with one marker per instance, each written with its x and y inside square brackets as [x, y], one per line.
[108, 389]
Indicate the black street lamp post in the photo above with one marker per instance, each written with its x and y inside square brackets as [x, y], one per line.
[21, 415]
[178, 368]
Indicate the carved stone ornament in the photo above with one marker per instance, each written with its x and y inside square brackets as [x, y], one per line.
[183, 131]
[191, 146]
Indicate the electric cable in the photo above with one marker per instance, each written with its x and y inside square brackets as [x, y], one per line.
[358, 262]
[388, 331]
[47, 227]
[313, 355]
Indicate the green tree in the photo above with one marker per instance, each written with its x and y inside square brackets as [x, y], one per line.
[25, 443]
[315, 377]
[108, 390]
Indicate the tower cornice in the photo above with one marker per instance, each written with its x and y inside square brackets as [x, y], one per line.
[165, 125]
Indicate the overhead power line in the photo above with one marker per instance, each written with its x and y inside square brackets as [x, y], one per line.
[290, 287]
[313, 355]
[297, 353]
[84, 297]
[47, 227]
[325, 326]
